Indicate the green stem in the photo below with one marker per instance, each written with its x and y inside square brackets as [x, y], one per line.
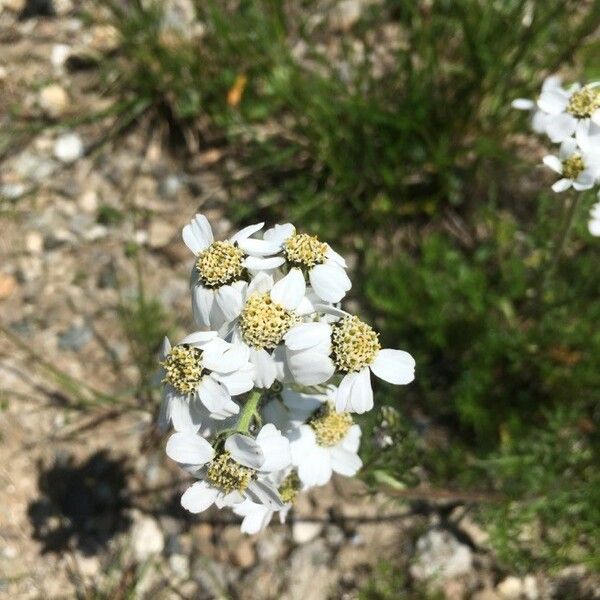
[560, 243]
[249, 411]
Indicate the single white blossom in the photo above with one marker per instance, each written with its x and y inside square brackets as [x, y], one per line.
[202, 369]
[539, 118]
[269, 311]
[219, 275]
[350, 347]
[325, 268]
[573, 111]
[237, 471]
[577, 169]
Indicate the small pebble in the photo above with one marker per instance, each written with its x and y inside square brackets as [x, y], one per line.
[53, 100]
[68, 148]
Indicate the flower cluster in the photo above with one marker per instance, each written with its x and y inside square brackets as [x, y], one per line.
[262, 397]
[570, 117]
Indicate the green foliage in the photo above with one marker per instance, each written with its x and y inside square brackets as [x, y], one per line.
[552, 483]
[421, 126]
[389, 582]
[511, 369]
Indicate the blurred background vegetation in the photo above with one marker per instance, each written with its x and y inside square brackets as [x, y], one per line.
[394, 140]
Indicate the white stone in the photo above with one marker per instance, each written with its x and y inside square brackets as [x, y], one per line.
[510, 588]
[68, 148]
[147, 539]
[34, 242]
[88, 201]
[530, 587]
[441, 556]
[59, 55]
[305, 532]
[53, 100]
[345, 14]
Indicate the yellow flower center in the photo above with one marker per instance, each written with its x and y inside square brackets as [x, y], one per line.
[289, 488]
[355, 344]
[305, 250]
[584, 102]
[220, 264]
[228, 475]
[572, 166]
[330, 427]
[183, 368]
[264, 322]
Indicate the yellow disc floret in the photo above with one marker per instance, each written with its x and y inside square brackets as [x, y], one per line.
[183, 368]
[573, 166]
[228, 475]
[305, 250]
[264, 322]
[584, 102]
[330, 427]
[355, 344]
[289, 488]
[220, 264]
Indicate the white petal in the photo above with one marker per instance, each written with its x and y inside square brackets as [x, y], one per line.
[245, 450]
[265, 493]
[582, 135]
[189, 449]
[165, 348]
[523, 104]
[265, 368]
[230, 301]
[596, 116]
[255, 263]
[307, 335]
[553, 101]
[223, 357]
[561, 127]
[330, 282]
[255, 247]
[257, 520]
[333, 256]
[352, 440]
[594, 227]
[216, 398]
[279, 233]
[355, 393]
[309, 367]
[242, 234]
[198, 235]
[345, 462]
[315, 467]
[539, 121]
[181, 415]
[202, 303]
[199, 338]
[260, 284]
[567, 148]
[394, 366]
[238, 382]
[561, 185]
[290, 290]
[553, 163]
[198, 497]
[275, 447]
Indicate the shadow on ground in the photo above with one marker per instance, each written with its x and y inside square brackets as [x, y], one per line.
[81, 505]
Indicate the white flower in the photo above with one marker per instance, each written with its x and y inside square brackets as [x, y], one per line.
[328, 442]
[236, 471]
[594, 221]
[578, 169]
[348, 346]
[269, 311]
[257, 516]
[218, 277]
[573, 111]
[325, 268]
[202, 369]
[539, 118]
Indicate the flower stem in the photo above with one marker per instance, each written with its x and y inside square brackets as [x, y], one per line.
[249, 411]
[560, 243]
